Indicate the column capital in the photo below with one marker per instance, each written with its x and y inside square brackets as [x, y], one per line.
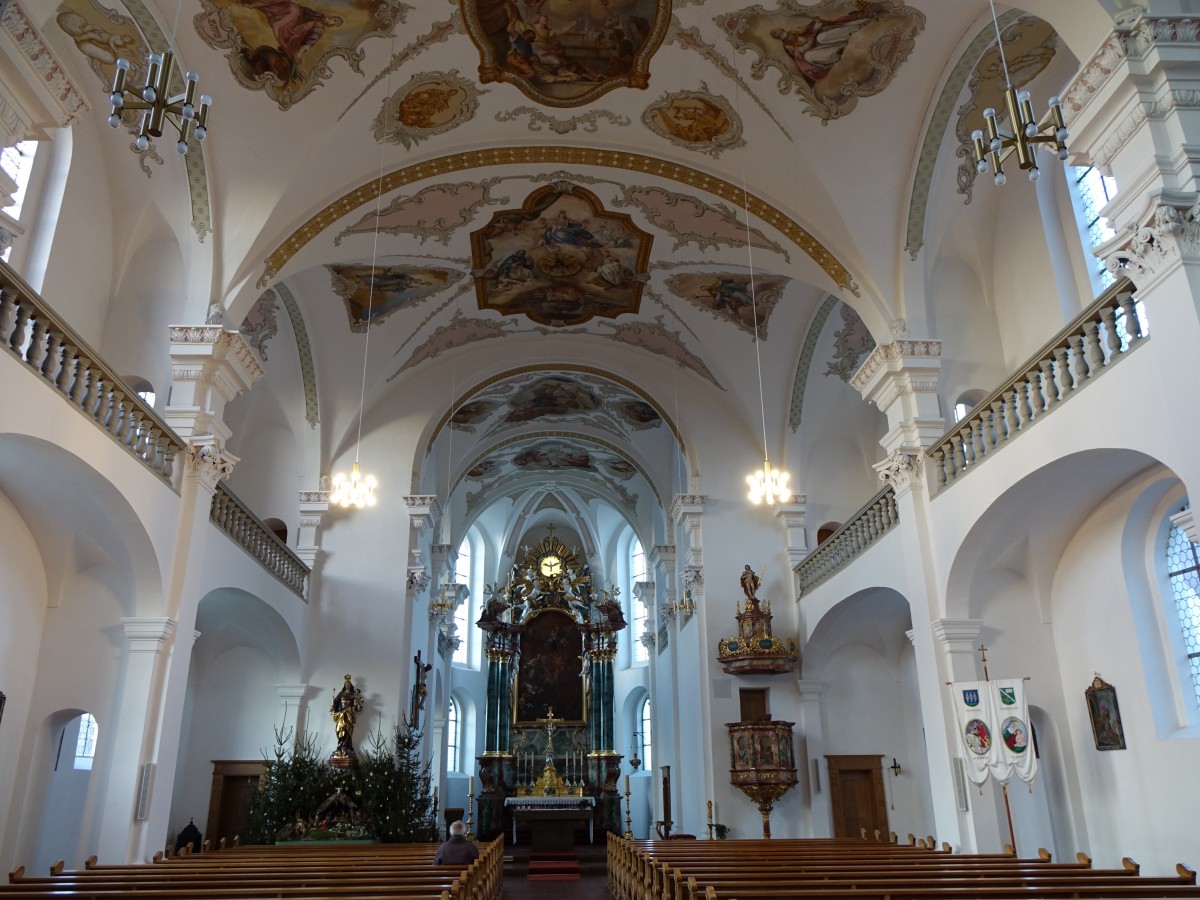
[209, 367]
[1165, 235]
[793, 517]
[901, 469]
[957, 635]
[291, 693]
[313, 507]
[147, 634]
[685, 504]
[1186, 520]
[208, 463]
[810, 690]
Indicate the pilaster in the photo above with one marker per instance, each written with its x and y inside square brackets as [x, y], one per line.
[148, 640]
[313, 507]
[811, 748]
[291, 697]
[209, 367]
[793, 517]
[901, 379]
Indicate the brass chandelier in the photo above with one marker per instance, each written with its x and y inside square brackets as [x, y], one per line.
[1026, 134]
[157, 105]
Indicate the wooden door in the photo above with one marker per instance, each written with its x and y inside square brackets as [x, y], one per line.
[234, 783]
[856, 795]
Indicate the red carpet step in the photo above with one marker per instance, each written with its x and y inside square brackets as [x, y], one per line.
[553, 867]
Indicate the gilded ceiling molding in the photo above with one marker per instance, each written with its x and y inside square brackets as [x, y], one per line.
[564, 156]
[538, 119]
[552, 367]
[308, 372]
[935, 132]
[807, 352]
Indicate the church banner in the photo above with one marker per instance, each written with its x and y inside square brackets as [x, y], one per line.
[976, 728]
[993, 729]
[1013, 735]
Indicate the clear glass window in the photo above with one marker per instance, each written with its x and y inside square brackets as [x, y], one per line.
[17, 163]
[85, 744]
[1094, 190]
[644, 721]
[453, 720]
[637, 609]
[1183, 569]
[462, 612]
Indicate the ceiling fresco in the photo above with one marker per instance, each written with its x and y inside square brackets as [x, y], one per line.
[830, 53]
[695, 120]
[261, 323]
[552, 400]
[554, 457]
[429, 103]
[283, 48]
[728, 296]
[435, 212]
[374, 293]
[566, 52]
[561, 259]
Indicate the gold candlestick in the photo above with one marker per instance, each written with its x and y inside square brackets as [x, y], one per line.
[710, 821]
[628, 818]
[471, 813]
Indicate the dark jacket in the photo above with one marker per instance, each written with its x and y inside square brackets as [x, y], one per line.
[457, 851]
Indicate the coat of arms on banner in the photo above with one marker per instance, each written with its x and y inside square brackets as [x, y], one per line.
[971, 698]
[1008, 696]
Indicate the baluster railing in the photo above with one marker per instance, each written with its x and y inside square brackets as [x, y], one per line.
[876, 517]
[36, 336]
[248, 531]
[1103, 333]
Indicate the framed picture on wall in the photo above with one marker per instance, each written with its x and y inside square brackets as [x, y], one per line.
[1105, 715]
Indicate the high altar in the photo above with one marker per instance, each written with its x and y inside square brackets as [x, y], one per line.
[548, 734]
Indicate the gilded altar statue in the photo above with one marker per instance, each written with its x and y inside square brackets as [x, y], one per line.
[347, 704]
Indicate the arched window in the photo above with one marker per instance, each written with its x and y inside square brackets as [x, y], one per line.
[1183, 570]
[453, 735]
[645, 733]
[1092, 190]
[462, 612]
[637, 609]
[85, 744]
[16, 163]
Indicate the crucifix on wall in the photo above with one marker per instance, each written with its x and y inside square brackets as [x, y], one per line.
[418, 693]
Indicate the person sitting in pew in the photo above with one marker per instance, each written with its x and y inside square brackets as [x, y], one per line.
[457, 851]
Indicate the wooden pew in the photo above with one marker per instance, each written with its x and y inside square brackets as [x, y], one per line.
[354, 873]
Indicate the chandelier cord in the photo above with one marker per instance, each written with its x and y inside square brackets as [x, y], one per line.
[1000, 45]
[762, 403]
[362, 391]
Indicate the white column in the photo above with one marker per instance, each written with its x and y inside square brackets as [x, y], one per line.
[793, 517]
[148, 640]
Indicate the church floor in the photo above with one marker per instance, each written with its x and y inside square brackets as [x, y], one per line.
[591, 885]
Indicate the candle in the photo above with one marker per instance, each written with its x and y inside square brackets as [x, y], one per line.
[470, 785]
[627, 785]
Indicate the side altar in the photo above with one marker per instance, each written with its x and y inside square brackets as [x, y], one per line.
[550, 643]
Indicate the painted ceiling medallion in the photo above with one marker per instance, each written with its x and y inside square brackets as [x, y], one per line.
[727, 296]
[430, 103]
[284, 47]
[560, 259]
[830, 53]
[565, 52]
[395, 287]
[695, 120]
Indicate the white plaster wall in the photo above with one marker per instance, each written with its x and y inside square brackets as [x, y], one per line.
[22, 604]
[234, 713]
[1135, 801]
